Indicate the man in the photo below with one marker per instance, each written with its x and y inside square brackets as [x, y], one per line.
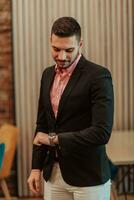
[74, 122]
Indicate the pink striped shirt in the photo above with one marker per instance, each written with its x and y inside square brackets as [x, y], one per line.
[60, 81]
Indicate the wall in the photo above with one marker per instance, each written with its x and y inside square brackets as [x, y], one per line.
[7, 114]
[6, 68]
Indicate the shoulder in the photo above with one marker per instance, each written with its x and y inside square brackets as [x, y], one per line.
[94, 69]
[48, 70]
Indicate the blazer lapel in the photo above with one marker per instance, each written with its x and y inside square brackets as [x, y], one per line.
[71, 83]
[49, 82]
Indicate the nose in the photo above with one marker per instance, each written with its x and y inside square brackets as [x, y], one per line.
[62, 55]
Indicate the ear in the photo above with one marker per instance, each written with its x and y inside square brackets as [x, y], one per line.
[81, 42]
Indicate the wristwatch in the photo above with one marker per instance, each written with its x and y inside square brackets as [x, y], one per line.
[51, 137]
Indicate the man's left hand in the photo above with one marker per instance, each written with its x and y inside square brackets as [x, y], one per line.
[43, 138]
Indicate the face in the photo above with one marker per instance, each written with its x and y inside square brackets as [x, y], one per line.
[65, 50]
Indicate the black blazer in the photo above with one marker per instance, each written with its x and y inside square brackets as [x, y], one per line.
[83, 124]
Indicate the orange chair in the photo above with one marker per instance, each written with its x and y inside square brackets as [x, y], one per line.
[8, 136]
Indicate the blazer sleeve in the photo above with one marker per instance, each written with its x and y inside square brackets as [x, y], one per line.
[41, 123]
[102, 102]
[39, 152]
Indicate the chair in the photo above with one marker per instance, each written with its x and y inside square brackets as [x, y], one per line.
[2, 149]
[8, 136]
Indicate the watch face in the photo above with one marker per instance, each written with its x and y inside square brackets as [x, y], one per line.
[52, 134]
[51, 137]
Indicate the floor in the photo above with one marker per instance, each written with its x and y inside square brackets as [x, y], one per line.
[130, 197]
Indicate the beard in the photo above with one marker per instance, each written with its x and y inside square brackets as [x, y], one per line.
[66, 63]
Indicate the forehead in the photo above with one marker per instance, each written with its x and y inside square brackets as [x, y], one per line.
[61, 42]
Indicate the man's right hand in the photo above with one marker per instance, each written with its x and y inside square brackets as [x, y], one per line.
[34, 181]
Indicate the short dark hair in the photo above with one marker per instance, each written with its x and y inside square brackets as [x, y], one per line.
[66, 27]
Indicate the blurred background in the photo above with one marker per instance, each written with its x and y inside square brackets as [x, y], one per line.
[25, 25]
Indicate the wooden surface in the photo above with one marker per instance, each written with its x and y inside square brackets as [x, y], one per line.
[120, 148]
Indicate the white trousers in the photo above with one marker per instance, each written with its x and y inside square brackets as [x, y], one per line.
[57, 189]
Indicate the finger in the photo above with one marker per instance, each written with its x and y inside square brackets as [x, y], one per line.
[32, 187]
